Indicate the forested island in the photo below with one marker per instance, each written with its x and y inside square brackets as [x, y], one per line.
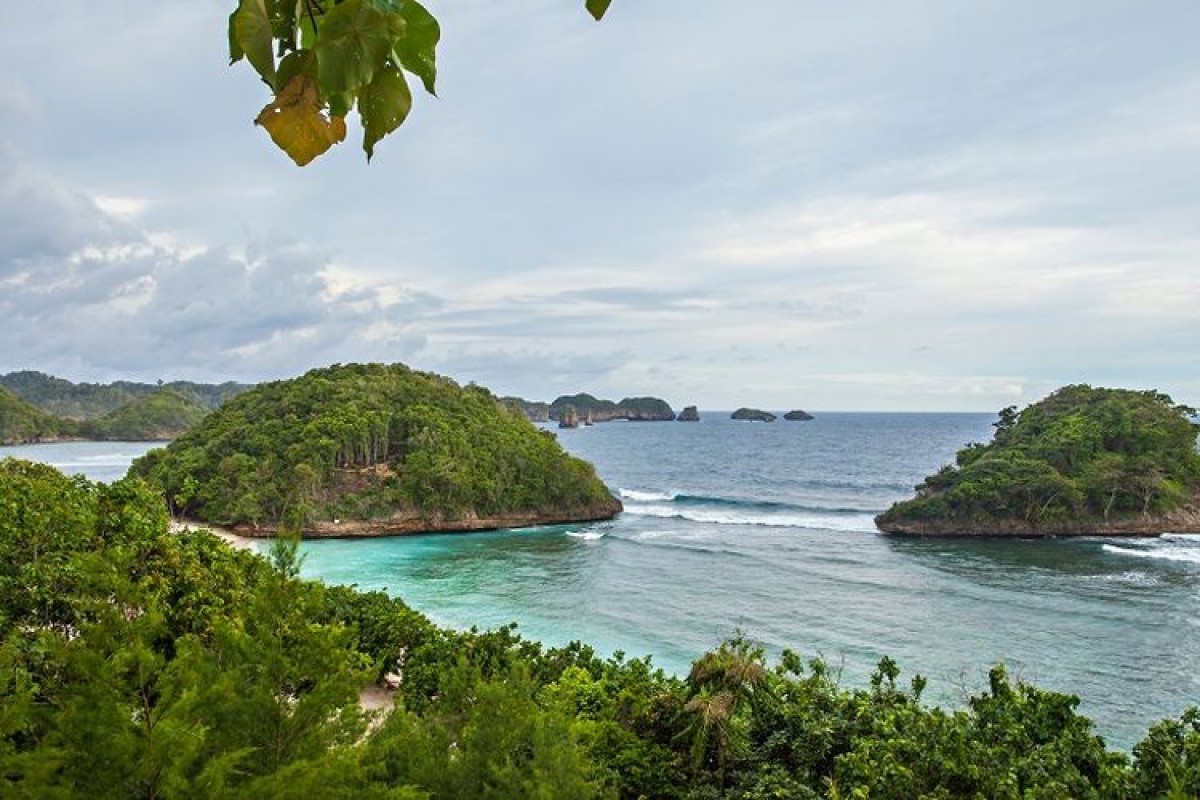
[1083, 461]
[364, 450]
[139, 663]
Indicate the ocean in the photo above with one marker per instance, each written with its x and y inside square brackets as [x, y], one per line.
[766, 529]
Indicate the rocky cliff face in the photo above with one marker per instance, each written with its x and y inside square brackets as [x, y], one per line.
[1185, 519]
[412, 522]
[689, 414]
[568, 418]
[634, 409]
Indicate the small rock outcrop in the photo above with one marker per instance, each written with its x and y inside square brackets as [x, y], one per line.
[753, 415]
[689, 414]
[793, 416]
[568, 418]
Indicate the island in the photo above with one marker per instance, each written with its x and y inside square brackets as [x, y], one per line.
[689, 414]
[372, 450]
[633, 409]
[1082, 462]
[798, 416]
[752, 415]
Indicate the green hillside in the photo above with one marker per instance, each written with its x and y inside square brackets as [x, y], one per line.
[160, 416]
[20, 422]
[373, 449]
[85, 401]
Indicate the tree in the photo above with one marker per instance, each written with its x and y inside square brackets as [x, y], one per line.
[322, 59]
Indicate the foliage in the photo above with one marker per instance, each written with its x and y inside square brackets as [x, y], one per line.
[84, 401]
[323, 59]
[135, 662]
[21, 422]
[362, 442]
[1081, 454]
[160, 416]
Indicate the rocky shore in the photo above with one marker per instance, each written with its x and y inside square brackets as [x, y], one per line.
[1185, 519]
[406, 523]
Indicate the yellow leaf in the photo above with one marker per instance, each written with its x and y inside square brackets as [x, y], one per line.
[296, 123]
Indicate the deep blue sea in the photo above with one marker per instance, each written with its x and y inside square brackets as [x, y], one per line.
[766, 528]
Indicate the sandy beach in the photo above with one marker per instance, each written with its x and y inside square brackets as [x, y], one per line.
[234, 540]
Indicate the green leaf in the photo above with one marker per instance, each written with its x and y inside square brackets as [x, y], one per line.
[383, 105]
[597, 8]
[250, 32]
[351, 47]
[236, 53]
[416, 51]
[299, 62]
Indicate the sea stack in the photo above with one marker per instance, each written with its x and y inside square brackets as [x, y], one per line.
[689, 414]
[797, 415]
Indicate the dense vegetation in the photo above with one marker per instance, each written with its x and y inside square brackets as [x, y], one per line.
[21, 422]
[160, 416]
[364, 442]
[136, 663]
[85, 401]
[1083, 458]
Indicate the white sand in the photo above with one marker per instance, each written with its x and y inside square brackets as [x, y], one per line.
[238, 542]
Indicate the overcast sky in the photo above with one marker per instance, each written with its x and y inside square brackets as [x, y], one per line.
[892, 205]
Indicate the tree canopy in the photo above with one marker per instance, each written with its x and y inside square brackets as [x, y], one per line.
[368, 442]
[139, 663]
[324, 59]
[1081, 458]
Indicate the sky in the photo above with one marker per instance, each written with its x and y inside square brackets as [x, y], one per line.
[890, 205]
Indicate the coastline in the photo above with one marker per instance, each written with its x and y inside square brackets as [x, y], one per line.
[1183, 520]
[234, 540]
[411, 523]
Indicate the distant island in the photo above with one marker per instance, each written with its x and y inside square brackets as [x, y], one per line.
[372, 450]
[1083, 461]
[633, 409]
[689, 414]
[798, 415]
[752, 415]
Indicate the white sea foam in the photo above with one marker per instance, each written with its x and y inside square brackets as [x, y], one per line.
[647, 497]
[836, 522]
[1184, 555]
[587, 536]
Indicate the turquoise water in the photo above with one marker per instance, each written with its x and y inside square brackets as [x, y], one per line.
[766, 529]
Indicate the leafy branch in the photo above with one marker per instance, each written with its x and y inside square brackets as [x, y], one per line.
[324, 60]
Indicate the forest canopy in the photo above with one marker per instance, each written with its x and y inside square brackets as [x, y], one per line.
[139, 663]
[365, 442]
[1079, 460]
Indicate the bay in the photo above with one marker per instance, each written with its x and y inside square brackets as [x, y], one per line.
[766, 529]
